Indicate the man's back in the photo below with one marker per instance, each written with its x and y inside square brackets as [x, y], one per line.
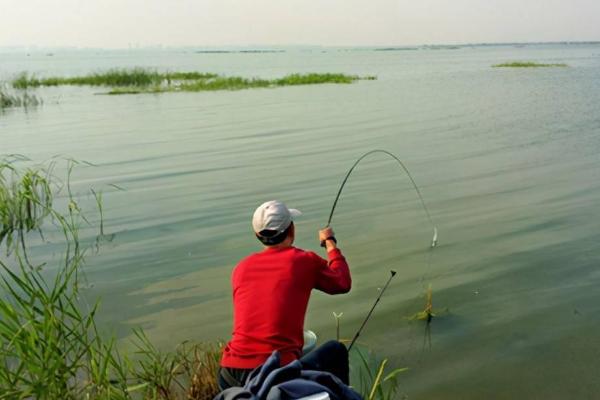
[270, 296]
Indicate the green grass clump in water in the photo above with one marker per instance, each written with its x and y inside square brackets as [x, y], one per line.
[8, 100]
[140, 80]
[114, 77]
[137, 77]
[215, 82]
[526, 64]
[189, 76]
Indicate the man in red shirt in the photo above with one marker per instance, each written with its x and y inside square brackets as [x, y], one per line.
[271, 289]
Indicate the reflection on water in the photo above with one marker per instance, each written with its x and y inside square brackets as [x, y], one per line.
[507, 161]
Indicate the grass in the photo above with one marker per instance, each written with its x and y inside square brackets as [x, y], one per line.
[215, 83]
[526, 64]
[140, 80]
[368, 372]
[115, 77]
[428, 313]
[26, 100]
[50, 346]
[375, 382]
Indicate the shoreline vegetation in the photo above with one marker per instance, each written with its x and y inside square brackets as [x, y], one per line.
[50, 344]
[140, 80]
[528, 64]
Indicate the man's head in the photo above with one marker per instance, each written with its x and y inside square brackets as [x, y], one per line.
[273, 222]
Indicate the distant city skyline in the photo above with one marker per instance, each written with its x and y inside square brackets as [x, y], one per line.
[215, 23]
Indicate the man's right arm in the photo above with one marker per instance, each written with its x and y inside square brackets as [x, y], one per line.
[333, 276]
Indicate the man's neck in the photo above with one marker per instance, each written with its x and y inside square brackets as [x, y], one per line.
[283, 245]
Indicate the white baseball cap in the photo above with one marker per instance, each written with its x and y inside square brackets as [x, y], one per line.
[273, 215]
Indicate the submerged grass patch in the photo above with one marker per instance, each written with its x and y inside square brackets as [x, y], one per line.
[527, 64]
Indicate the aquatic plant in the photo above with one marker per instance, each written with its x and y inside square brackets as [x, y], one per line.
[9, 100]
[427, 314]
[238, 83]
[50, 346]
[527, 64]
[373, 385]
[135, 77]
[337, 318]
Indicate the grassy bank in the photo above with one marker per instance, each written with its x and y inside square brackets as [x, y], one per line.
[527, 64]
[10, 100]
[140, 80]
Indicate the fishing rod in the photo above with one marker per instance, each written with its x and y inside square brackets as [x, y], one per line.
[414, 184]
[393, 273]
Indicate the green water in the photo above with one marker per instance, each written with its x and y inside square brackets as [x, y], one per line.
[507, 160]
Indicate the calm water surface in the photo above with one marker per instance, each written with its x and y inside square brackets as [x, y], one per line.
[507, 160]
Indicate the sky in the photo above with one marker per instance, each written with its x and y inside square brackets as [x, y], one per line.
[213, 23]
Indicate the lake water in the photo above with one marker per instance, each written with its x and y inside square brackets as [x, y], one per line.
[507, 160]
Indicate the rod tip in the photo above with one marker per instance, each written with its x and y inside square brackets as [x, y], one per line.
[393, 272]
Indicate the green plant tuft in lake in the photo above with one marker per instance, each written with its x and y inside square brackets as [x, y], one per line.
[140, 80]
[215, 82]
[136, 77]
[527, 64]
[9, 100]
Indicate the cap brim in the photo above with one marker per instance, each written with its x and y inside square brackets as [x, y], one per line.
[294, 213]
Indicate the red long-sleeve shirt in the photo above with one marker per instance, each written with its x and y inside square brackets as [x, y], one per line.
[270, 296]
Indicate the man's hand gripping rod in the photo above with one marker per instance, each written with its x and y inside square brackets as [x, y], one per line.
[393, 273]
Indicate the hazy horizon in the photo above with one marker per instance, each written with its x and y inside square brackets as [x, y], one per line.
[113, 24]
[298, 46]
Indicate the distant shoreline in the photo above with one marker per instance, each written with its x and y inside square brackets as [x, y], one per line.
[257, 49]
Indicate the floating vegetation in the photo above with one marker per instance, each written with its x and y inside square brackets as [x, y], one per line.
[214, 83]
[140, 80]
[115, 77]
[10, 100]
[527, 64]
[428, 313]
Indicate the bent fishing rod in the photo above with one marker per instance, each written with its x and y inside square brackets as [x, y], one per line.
[414, 184]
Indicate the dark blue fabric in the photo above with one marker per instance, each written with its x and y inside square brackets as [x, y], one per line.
[271, 382]
[332, 357]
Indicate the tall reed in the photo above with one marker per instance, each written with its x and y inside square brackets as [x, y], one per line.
[50, 345]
